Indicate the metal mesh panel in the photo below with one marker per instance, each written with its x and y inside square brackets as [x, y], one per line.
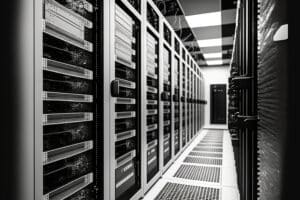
[205, 154]
[208, 149]
[175, 191]
[201, 160]
[210, 145]
[199, 173]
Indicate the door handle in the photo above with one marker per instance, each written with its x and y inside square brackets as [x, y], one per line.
[115, 88]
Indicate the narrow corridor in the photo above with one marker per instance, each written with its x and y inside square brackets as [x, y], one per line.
[205, 170]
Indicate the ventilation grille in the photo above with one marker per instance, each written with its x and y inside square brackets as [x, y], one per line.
[175, 191]
[206, 161]
[212, 141]
[209, 145]
[199, 173]
[206, 154]
[213, 138]
[208, 149]
[215, 132]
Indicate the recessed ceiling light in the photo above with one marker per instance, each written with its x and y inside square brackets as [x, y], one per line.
[214, 62]
[210, 42]
[203, 20]
[212, 55]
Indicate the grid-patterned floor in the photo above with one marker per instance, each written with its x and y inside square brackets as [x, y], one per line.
[204, 171]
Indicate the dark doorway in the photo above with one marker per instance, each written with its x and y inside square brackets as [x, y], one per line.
[218, 104]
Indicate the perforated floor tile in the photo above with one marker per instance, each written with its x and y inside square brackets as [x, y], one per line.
[208, 149]
[175, 191]
[201, 160]
[205, 154]
[199, 173]
[211, 141]
[209, 145]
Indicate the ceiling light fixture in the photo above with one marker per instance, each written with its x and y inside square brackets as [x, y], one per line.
[212, 55]
[204, 20]
[210, 42]
[214, 62]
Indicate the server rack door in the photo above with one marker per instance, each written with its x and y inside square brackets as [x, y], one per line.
[195, 102]
[125, 109]
[218, 104]
[153, 161]
[199, 106]
[152, 104]
[176, 104]
[203, 104]
[166, 99]
[183, 104]
[71, 118]
[188, 102]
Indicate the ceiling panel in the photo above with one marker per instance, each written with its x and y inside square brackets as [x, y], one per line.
[176, 11]
[193, 7]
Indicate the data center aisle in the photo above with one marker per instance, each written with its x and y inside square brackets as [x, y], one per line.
[205, 170]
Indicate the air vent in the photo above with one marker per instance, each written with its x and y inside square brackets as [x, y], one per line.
[200, 160]
[206, 154]
[215, 132]
[208, 149]
[199, 173]
[209, 145]
[211, 141]
[175, 191]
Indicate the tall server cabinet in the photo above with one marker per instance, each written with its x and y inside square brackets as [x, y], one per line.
[152, 99]
[190, 77]
[194, 102]
[125, 102]
[188, 103]
[176, 103]
[183, 105]
[166, 99]
[71, 119]
[242, 108]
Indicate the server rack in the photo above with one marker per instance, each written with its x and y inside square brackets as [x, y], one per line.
[167, 105]
[125, 110]
[183, 103]
[242, 99]
[166, 98]
[202, 100]
[176, 100]
[197, 101]
[190, 100]
[194, 101]
[67, 142]
[152, 106]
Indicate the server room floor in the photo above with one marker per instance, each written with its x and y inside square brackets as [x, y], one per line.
[205, 170]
